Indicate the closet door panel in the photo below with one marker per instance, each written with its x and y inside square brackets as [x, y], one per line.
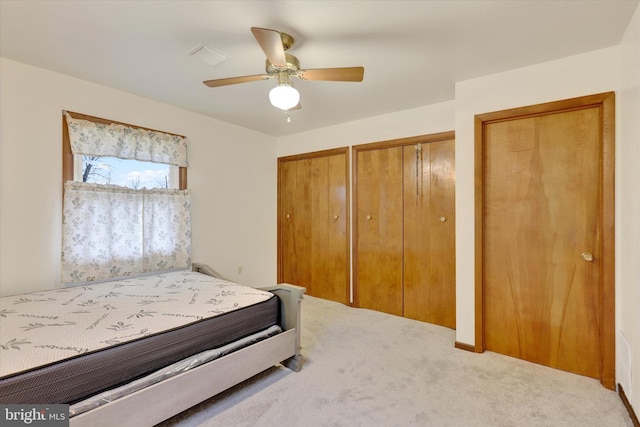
[329, 246]
[379, 230]
[296, 220]
[429, 233]
[417, 242]
[441, 218]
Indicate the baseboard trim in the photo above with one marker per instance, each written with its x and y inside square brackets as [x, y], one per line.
[627, 405]
[467, 347]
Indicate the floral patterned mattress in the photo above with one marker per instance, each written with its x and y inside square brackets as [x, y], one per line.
[168, 316]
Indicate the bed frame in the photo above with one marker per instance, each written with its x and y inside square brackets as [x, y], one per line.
[163, 400]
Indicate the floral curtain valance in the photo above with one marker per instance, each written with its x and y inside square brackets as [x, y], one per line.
[98, 244]
[115, 140]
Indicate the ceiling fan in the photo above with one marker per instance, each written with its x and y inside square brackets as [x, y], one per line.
[284, 66]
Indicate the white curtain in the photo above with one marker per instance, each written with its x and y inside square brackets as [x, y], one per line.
[166, 229]
[115, 140]
[111, 231]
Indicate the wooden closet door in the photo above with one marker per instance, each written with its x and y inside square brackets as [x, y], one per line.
[295, 223]
[378, 261]
[329, 240]
[313, 218]
[542, 241]
[429, 233]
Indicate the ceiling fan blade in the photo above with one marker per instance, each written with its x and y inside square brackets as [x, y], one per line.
[235, 80]
[271, 43]
[346, 74]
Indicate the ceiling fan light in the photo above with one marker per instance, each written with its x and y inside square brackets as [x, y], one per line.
[284, 97]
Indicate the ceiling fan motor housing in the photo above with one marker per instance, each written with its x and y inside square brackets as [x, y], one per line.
[287, 40]
[292, 67]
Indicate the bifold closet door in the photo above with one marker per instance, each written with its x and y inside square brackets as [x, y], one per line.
[313, 224]
[404, 257]
[295, 217]
[379, 230]
[329, 251]
[429, 233]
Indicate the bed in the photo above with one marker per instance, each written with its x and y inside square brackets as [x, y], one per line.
[135, 352]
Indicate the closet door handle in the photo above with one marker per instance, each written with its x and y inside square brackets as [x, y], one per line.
[335, 217]
[368, 217]
[587, 256]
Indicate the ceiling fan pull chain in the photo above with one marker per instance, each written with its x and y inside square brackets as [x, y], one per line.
[418, 170]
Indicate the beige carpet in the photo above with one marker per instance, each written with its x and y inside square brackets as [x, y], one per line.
[364, 368]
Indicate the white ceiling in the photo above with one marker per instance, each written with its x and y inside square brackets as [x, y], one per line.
[413, 51]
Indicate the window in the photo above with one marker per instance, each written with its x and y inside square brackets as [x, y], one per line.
[128, 211]
[125, 172]
[72, 164]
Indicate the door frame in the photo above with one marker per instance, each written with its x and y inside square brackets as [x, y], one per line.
[606, 103]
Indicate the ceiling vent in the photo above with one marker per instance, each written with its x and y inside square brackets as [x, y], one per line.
[207, 55]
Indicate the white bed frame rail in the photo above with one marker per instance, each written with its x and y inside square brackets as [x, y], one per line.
[151, 405]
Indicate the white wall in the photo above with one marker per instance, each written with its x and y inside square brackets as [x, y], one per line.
[232, 175]
[418, 121]
[586, 74]
[628, 209]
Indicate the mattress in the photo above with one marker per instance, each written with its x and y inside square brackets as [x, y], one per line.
[62, 345]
